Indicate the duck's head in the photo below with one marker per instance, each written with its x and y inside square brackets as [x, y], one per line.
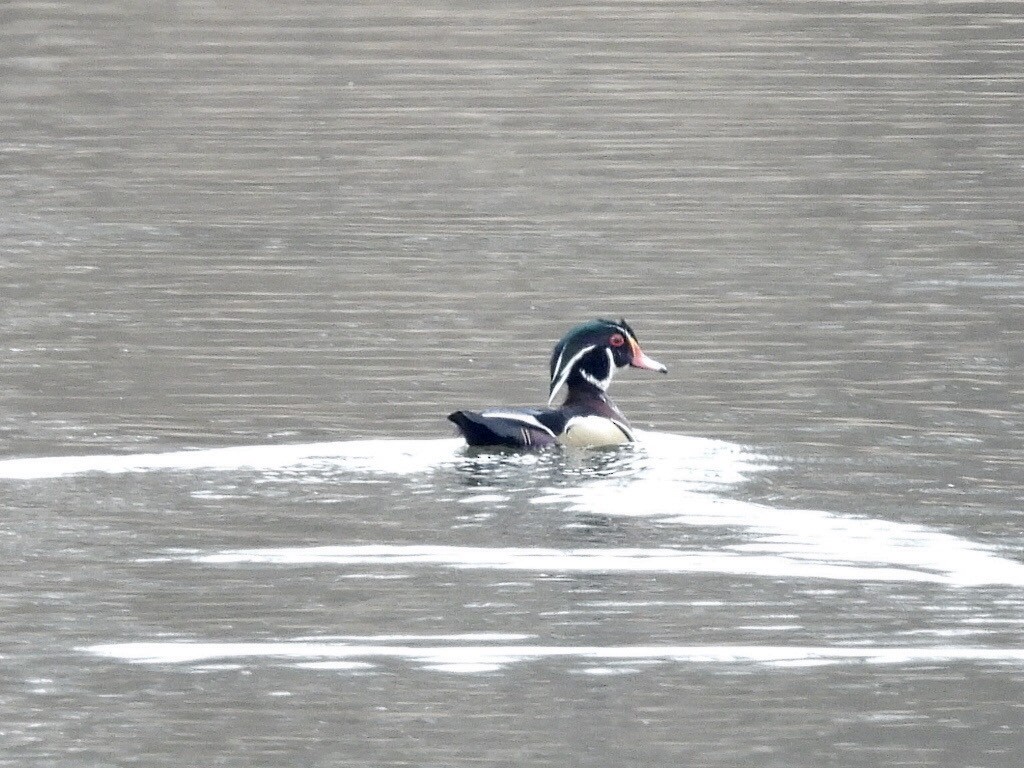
[590, 353]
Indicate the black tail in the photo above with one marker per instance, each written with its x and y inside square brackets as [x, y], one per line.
[477, 432]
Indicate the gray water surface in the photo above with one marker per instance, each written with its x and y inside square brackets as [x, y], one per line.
[251, 256]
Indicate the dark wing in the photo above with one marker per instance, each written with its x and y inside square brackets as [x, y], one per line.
[517, 428]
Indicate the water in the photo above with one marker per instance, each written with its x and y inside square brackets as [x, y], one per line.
[250, 258]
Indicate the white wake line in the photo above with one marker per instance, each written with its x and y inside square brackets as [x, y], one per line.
[687, 457]
[394, 456]
[584, 561]
[776, 543]
[805, 537]
[476, 658]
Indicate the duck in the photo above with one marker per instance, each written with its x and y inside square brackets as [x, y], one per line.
[583, 363]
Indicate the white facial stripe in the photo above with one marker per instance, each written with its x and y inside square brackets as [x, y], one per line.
[558, 364]
[604, 383]
[519, 418]
[562, 373]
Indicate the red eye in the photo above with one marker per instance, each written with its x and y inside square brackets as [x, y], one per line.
[617, 340]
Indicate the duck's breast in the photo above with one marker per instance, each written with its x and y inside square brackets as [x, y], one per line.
[593, 431]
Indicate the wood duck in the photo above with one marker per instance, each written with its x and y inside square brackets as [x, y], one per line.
[583, 362]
